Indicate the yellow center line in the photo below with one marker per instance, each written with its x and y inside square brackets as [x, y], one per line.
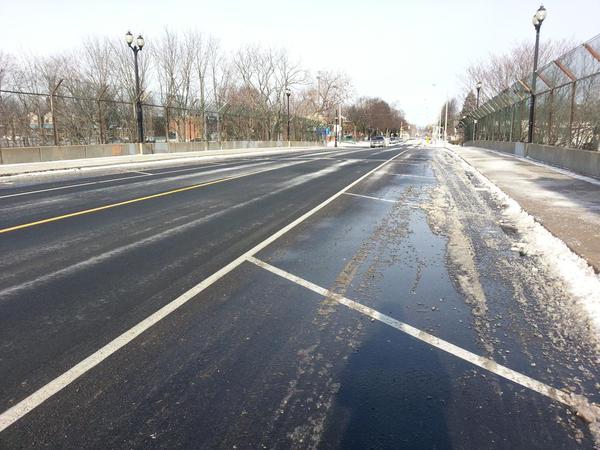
[126, 202]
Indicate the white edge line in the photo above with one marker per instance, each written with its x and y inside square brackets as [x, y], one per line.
[16, 412]
[411, 175]
[370, 197]
[479, 361]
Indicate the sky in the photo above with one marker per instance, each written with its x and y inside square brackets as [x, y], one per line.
[410, 53]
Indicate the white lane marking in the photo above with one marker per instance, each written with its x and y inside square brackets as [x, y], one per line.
[34, 400]
[211, 166]
[370, 197]
[336, 152]
[479, 361]
[411, 175]
[68, 270]
[70, 186]
[108, 181]
[404, 203]
[146, 174]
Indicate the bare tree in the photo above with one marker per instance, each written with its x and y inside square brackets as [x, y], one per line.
[264, 75]
[375, 116]
[499, 71]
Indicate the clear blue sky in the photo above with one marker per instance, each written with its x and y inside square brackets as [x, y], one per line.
[408, 37]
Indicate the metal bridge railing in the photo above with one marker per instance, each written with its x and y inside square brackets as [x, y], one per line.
[567, 104]
[43, 119]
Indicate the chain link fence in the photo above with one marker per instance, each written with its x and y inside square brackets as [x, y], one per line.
[567, 105]
[30, 119]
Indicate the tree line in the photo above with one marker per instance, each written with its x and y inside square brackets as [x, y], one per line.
[188, 81]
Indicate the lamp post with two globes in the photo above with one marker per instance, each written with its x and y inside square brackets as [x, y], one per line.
[537, 20]
[139, 44]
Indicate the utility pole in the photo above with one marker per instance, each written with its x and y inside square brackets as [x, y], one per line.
[446, 123]
[98, 103]
[54, 128]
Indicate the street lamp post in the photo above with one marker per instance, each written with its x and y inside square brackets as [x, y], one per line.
[537, 20]
[138, 100]
[478, 88]
[335, 142]
[288, 92]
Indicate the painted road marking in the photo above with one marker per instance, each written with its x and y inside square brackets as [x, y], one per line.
[146, 174]
[209, 166]
[34, 400]
[370, 198]
[71, 186]
[412, 175]
[114, 205]
[404, 203]
[555, 394]
[140, 199]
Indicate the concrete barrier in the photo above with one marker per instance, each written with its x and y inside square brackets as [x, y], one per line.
[505, 147]
[20, 155]
[584, 162]
[67, 152]
[62, 152]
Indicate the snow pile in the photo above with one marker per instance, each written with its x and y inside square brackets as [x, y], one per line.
[581, 280]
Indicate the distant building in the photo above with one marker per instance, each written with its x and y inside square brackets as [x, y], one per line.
[34, 120]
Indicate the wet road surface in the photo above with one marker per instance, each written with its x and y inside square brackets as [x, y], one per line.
[352, 299]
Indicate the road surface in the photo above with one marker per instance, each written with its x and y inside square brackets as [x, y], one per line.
[358, 298]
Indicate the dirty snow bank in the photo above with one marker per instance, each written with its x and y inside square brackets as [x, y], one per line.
[580, 279]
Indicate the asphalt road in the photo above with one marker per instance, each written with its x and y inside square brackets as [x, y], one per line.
[338, 299]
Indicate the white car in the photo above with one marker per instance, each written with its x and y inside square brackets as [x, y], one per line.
[378, 141]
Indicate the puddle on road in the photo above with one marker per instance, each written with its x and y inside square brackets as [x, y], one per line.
[456, 251]
[440, 260]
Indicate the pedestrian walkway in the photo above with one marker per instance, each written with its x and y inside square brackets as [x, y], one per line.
[565, 204]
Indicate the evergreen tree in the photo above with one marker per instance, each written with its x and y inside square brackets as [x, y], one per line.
[469, 105]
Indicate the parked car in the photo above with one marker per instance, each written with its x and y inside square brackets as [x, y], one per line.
[377, 141]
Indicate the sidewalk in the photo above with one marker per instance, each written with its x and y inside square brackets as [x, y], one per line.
[22, 168]
[567, 205]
